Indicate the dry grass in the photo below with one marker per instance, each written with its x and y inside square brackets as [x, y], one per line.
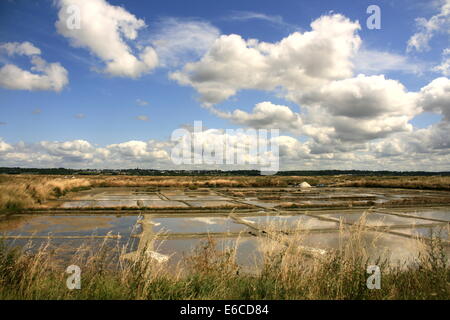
[18, 192]
[213, 273]
[428, 182]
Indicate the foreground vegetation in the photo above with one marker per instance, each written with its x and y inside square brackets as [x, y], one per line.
[31, 191]
[210, 273]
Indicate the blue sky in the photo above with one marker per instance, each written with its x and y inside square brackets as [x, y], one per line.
[102, 108]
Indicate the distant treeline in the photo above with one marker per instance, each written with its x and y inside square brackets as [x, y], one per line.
[153, 172]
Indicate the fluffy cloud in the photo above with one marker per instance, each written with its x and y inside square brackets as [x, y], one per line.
[340, 116]
[423, 149]
[432, 141]
[315, 70]
[293, 149]
[301, 60]
[225, 149]
[105, 30]
[436, 137]
[83, 154]
[137, 150]
[342, 113]
[25, 48]
[71, 151]
[358, 109]
[428, 28]
[4, 146]
[362, 97]
[435, 97]
[358, 121]
[43, 75]
[265, 115]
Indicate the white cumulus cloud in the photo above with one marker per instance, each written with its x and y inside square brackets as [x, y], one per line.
[106, 31]
[301, 60]
[435, 97]
[265, 115]
[42, 76]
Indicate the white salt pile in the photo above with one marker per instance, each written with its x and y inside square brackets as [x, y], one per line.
[305, 184]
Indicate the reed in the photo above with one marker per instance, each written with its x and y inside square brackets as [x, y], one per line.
[211, 272]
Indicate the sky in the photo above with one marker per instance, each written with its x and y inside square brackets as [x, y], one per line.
[104, 84]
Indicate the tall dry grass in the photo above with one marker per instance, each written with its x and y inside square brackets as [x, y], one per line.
[214, 273]
[19, 192]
